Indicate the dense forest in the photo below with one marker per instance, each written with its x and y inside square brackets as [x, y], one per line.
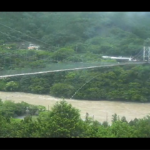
[72, 39]
[75, 37]
[117, 83]
[63, 120]
[104, 33]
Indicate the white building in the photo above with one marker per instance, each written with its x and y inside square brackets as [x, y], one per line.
[33, 46]
[119, 58]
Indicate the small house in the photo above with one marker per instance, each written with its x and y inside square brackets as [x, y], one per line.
[33, 46]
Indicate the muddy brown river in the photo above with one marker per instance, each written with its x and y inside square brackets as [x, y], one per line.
[101, 110]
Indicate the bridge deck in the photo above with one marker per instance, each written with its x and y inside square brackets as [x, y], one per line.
[71, 69]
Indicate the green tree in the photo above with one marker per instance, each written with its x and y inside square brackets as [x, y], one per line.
[62, 90]
[63, 121]
[11, 86]
[122, 129]
[114, 117]
[63, 54]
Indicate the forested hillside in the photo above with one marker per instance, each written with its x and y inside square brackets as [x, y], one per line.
[72, 39]
[66, 37]
[109, 33]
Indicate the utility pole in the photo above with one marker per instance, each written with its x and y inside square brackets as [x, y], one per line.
[106, 117]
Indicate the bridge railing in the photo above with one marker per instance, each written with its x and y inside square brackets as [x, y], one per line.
[53, 66]
[62, 67]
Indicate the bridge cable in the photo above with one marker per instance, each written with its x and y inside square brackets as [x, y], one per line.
[25, 34]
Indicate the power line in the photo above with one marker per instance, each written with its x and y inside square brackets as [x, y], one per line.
[25, 34]
[12, 36]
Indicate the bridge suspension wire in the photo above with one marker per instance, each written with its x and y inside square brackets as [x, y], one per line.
[84, 85]
[12, 36]
[138, 54]
[29, 71]
[24, 34]
[11, 54]
[33, 72]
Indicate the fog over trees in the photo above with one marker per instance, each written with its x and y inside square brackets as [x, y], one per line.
[65, 38]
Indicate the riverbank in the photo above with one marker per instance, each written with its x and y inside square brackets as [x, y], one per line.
[101, 110]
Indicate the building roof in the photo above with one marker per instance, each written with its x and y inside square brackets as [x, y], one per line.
[120, 57]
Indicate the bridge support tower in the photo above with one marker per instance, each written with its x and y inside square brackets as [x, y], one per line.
[146, 54]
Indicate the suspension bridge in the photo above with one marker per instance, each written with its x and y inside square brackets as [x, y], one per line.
[71, 69]
[141, 58]
[32, 64]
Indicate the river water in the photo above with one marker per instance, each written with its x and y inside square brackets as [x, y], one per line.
[101, 110]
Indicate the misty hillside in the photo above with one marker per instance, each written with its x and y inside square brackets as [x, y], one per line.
[49, 56]
[106, 33]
